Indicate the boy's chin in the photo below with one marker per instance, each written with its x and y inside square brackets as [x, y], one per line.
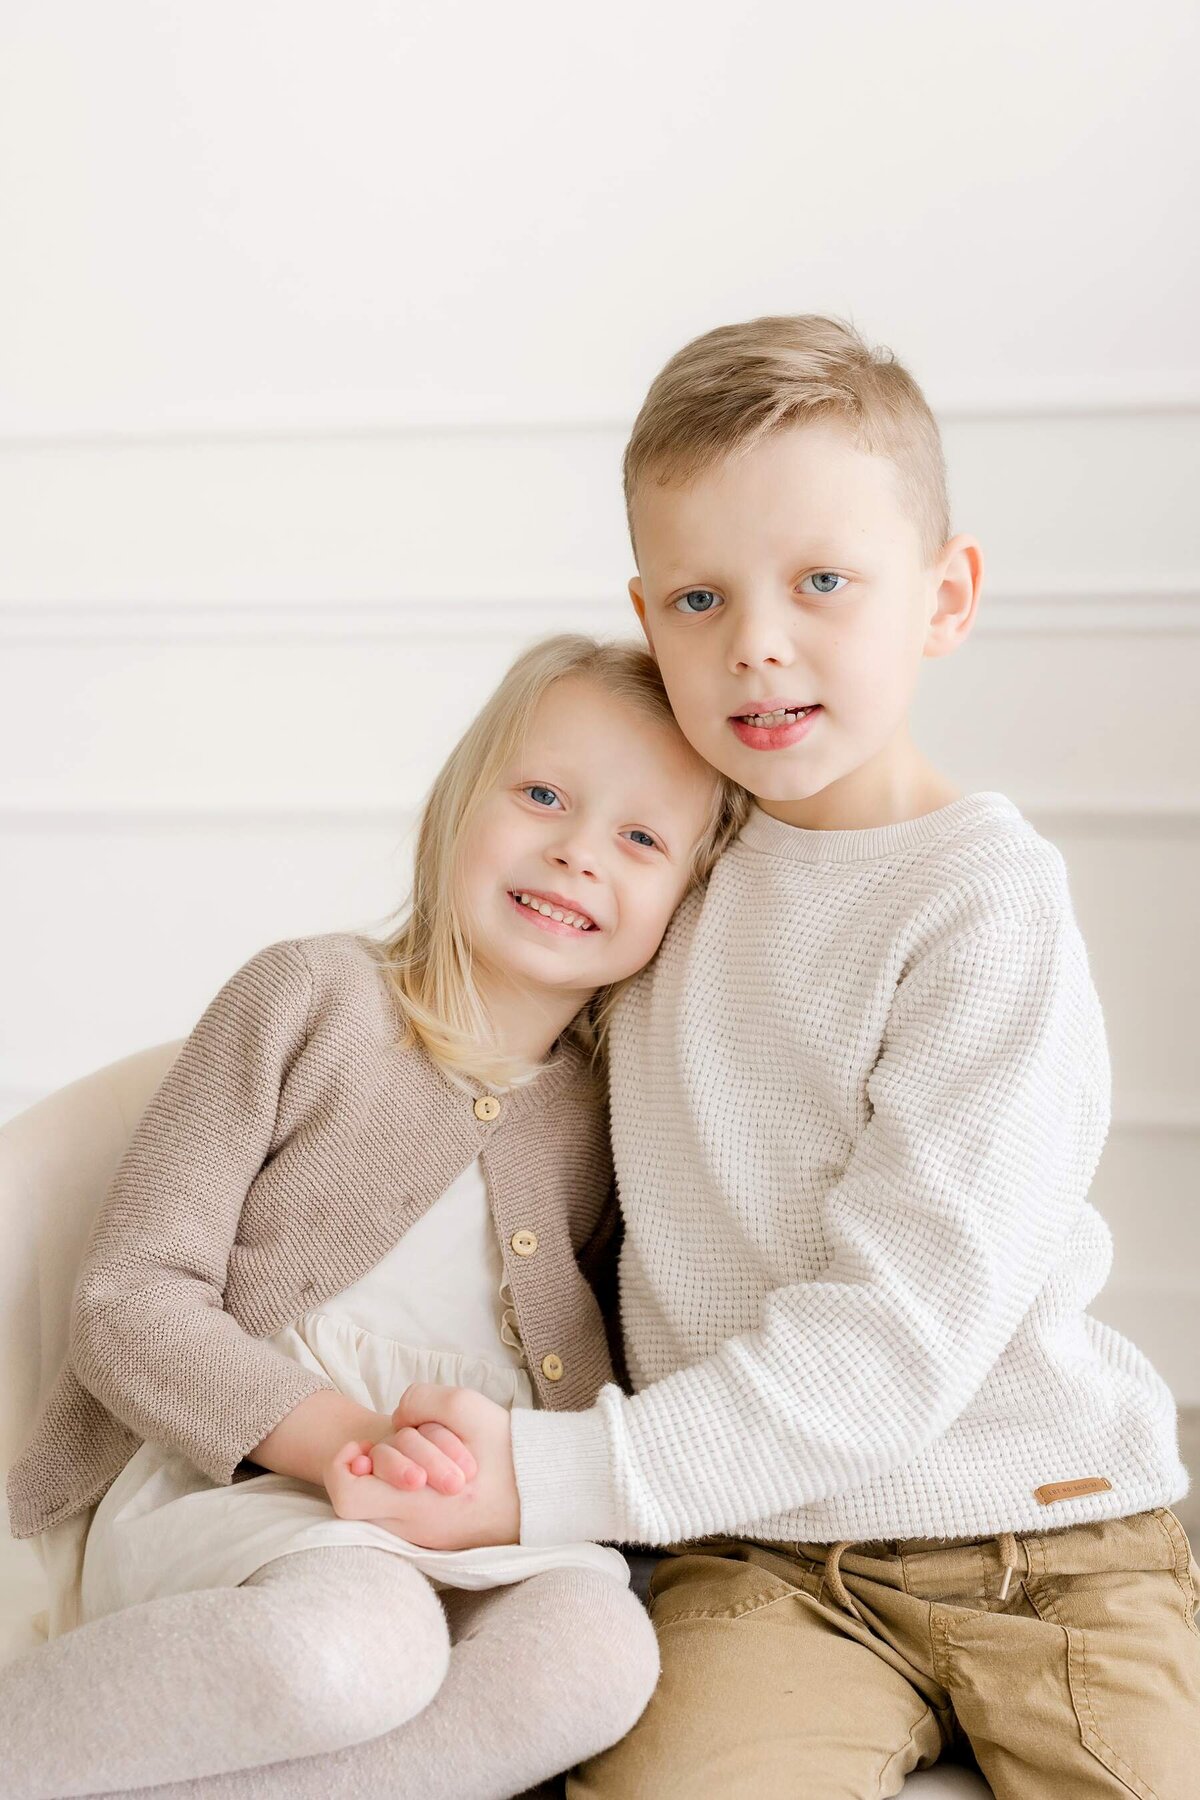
[781, 787]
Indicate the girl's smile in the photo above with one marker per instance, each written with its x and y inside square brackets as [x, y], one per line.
[605, 799]
[551, 912]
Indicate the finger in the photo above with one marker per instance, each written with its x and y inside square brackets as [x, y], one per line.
[443, 1475]
[342, 1487]
[452, 1446]
[396, 1468]
[361, 1464]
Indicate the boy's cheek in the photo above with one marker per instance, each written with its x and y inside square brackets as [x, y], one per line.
[694, 702]
[710, 737]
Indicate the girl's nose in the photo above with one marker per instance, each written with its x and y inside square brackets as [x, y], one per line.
[576, 856]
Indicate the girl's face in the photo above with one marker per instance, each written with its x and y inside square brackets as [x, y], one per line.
[575, 862]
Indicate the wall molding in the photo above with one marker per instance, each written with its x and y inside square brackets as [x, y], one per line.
[1169, 1114]
[1103, 396]
[197, 816]
[1157, 608]
[1076, 817]
[1081, 817]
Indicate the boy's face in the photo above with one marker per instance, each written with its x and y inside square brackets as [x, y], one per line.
[787, 577]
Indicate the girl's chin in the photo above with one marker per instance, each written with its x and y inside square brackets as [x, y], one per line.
[545, 964]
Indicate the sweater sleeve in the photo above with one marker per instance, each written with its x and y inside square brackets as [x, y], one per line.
[149, 1334]
[990, 1105]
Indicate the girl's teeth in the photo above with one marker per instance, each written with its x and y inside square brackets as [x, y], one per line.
[553, 912]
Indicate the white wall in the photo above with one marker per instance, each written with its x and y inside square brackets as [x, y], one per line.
[320, 331]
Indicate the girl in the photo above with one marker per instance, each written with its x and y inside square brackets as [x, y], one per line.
[371, 1164]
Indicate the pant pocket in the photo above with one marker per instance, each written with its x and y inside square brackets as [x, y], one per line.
[1187, 1570]
[710, 1587]
[1096, 1729]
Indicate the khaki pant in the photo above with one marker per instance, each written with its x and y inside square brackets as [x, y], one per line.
[822, 1671]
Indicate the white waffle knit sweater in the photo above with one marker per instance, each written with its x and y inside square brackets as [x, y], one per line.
[858, 1100]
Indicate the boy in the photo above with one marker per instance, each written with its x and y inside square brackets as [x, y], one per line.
[917, 1498]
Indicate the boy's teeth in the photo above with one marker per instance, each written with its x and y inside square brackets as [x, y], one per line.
[555, 912]
[777, 718]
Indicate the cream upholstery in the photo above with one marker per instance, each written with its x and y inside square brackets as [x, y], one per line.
[56, 1161]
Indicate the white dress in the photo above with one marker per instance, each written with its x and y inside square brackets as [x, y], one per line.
[165, 1528]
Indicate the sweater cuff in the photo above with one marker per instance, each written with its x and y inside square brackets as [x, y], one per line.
[564, 1475]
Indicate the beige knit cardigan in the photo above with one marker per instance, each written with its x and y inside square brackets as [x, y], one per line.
[290, 1146]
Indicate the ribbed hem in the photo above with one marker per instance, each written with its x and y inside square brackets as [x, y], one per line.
[564, 1476]
[875, 842]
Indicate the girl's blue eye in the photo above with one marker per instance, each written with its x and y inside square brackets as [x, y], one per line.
[823, 575]
[535, 792]
[644, 837]
[707, 600]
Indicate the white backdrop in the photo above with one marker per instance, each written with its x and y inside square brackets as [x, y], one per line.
[321, 328]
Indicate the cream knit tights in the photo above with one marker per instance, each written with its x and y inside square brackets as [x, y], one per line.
[331, 1659]
[316, 1650]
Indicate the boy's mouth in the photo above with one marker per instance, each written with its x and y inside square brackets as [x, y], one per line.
[777, 728]
[781, 713]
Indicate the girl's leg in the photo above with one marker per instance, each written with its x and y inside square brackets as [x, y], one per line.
[542, 1675]
[318, 1649]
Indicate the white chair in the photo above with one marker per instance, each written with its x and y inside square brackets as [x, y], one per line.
[56, 1161]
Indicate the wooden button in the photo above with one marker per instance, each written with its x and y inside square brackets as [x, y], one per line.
[487, 1107]
[524, 1242]
[552, 1367]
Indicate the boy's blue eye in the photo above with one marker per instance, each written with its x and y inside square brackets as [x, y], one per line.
[705, 597]
[535, 793]
[822, 576]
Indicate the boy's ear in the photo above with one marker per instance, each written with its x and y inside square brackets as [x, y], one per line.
[639, 607]
[958, 574]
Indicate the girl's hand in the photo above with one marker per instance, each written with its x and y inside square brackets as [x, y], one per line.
[488, 1511]
[364, 1495]
[447, 1462]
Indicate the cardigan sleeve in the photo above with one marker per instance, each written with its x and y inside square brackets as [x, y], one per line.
[149, 1334]
[990, 1105]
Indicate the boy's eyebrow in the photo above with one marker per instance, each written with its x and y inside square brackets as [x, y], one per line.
[811, 551]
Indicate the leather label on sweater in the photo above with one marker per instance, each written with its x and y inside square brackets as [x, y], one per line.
[1070, 1490]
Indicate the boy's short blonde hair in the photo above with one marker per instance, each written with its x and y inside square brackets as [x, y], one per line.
[734, 386]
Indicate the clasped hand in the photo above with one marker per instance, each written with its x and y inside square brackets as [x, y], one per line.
[443, 1478]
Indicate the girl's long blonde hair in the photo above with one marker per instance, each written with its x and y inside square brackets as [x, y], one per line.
[427, 957]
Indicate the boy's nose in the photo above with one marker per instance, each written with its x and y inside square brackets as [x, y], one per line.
[759, 640]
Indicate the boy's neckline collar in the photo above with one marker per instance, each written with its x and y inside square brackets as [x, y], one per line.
[872, 842]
